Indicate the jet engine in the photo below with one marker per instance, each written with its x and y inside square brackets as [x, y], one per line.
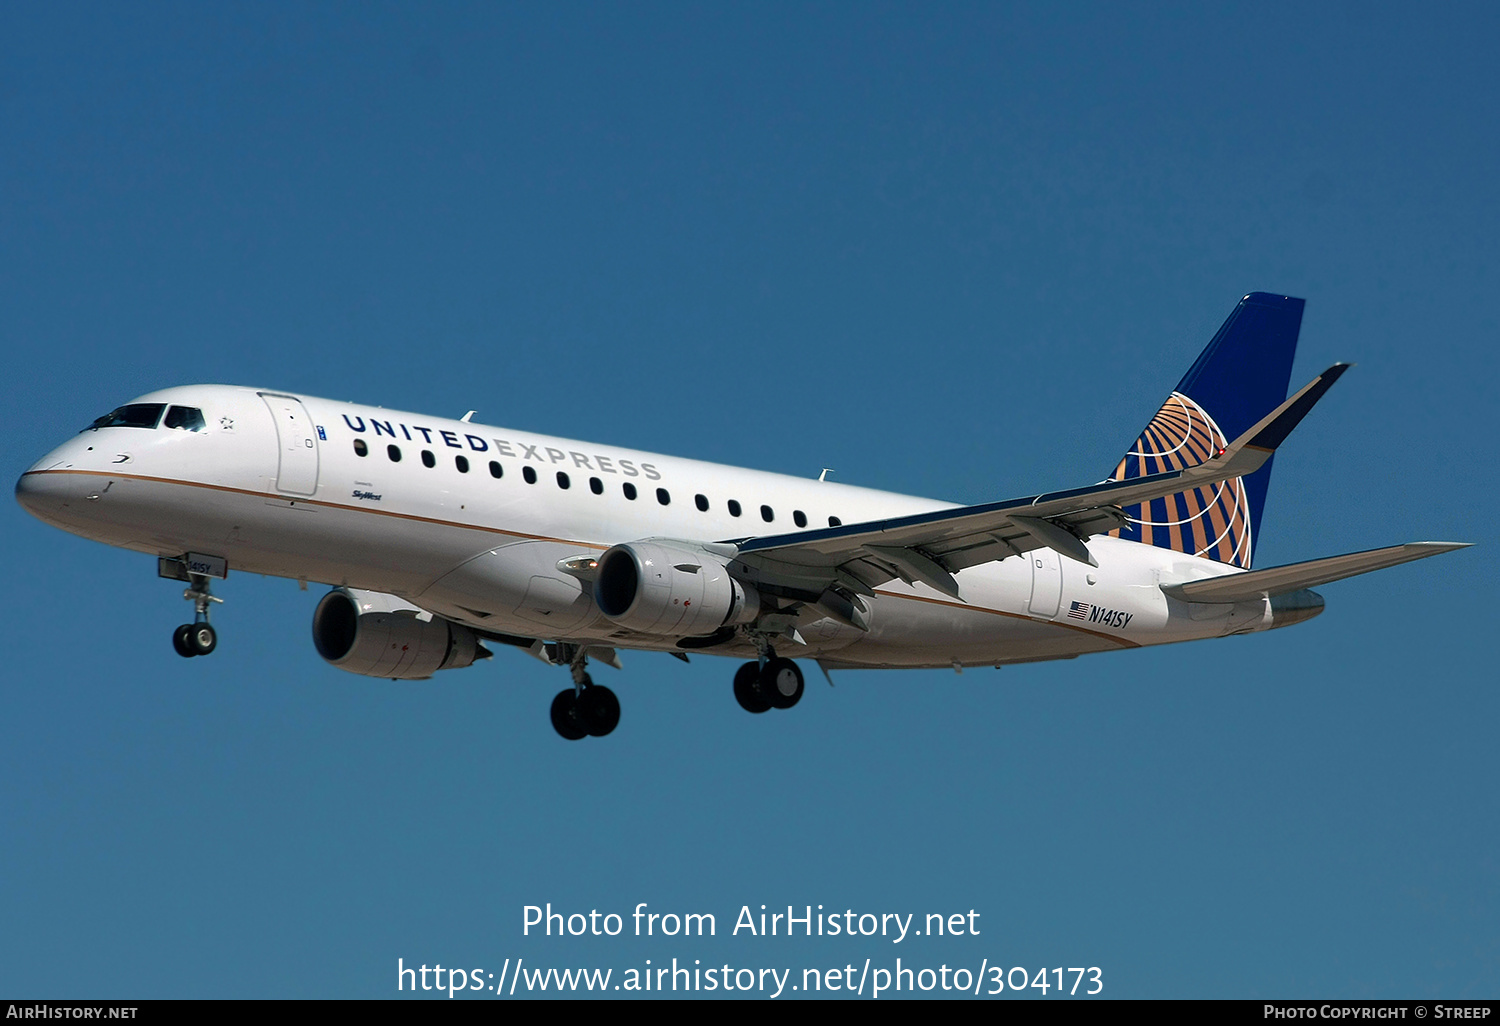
[379, 635]
[659, 588]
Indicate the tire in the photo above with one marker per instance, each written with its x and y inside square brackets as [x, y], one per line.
[565, 718]
[180, 641]
[747, 690]
[781, 683]
[599, 710]
[202, 639]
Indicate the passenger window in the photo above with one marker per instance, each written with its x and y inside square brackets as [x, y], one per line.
[360, 448]
[529, 473]
[562, 480]
[701, 501]
[394, 453]
[186, 418]
[428, 459]
[462, 463]
[629, 490]
[496, 470]
[141, 415]
[835, 522]
[734, 507]
[662, 497]
[596, 486]
[799, 518]
[767, 514]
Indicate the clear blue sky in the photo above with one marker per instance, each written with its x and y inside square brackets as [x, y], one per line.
[956, 250]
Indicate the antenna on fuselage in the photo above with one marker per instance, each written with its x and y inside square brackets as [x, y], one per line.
[465, 418]
[826, 471]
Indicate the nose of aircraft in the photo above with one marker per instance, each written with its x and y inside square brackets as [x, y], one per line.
[39, 494]
[31, 493]
[45, 495]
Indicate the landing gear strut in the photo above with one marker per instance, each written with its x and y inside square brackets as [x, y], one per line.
[585, 709]
[199, 637]
[769, 682]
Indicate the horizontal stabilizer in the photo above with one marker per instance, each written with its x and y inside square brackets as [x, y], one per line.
[1279, 580]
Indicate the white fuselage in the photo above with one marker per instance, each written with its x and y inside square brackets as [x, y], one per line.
[274, 483]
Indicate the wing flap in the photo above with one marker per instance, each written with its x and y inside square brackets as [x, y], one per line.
[912, 566]
[1278, 580]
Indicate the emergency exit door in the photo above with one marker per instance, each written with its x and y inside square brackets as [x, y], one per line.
[1046, 582]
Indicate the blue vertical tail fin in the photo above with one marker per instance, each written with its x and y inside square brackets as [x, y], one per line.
[1236, 380]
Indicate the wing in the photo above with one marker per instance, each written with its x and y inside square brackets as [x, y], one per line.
[830, 567]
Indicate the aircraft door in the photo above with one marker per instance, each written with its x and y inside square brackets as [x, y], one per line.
[297, 444]
[1046, 582]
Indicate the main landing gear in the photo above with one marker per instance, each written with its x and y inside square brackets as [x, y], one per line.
[769, 682]
[197, 638]
[586, 709]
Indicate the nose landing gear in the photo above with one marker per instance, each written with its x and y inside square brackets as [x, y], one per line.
[197, 638]
[193, 639]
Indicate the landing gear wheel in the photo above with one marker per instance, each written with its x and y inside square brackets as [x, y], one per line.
[181, 643]
[598, 710]
[565, 716]
[202, 639]
[781, 683]
[747, 689]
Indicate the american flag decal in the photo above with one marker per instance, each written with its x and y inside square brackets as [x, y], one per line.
[1079, 610]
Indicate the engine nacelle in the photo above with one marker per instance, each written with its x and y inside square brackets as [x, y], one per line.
[658, 588]
[379, 635]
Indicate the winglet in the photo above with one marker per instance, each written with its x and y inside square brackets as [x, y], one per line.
[1273, 429]
[1270, 431]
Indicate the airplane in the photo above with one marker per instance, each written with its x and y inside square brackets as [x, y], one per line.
[440, 535]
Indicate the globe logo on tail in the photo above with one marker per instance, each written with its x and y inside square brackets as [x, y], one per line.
[1212, 521]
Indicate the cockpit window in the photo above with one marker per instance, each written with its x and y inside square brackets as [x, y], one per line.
[139, 415]
[188, 418]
